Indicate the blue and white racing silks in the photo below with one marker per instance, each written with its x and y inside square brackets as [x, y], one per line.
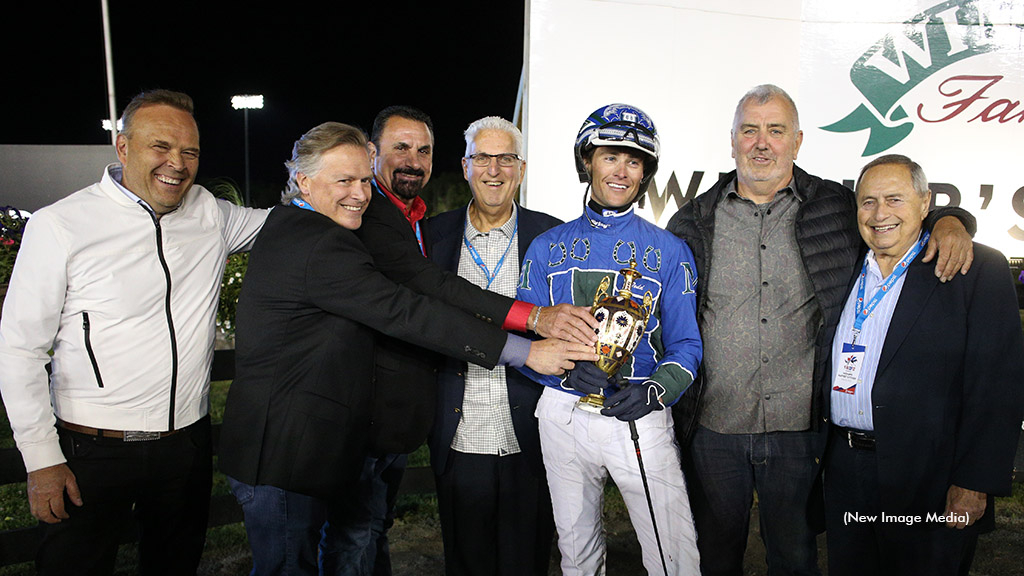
[568, 262]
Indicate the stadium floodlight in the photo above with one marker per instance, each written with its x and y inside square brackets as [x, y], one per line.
[106, 124]
[246, 102]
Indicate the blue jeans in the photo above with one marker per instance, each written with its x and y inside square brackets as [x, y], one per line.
[355, 540]
[724, 470]
[283, 528]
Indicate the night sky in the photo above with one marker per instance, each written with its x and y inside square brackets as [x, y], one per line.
[313, 62]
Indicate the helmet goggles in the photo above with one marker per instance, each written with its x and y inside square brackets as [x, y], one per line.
[625, 133]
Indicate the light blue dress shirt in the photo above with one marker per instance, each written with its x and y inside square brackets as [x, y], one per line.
[854, 410]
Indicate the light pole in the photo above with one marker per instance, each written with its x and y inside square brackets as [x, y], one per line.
[246, 102]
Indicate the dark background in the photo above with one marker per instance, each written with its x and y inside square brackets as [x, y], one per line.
[313, 62]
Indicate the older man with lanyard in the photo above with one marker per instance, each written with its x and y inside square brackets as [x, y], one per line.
[491, 492]
[924, 392]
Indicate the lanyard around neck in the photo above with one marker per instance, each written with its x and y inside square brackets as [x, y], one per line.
[862, 310]
[302, 204]
[480, 261]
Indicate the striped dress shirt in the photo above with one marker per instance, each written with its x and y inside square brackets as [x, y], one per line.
[854, 410]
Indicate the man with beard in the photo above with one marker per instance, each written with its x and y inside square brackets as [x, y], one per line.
[402, 146]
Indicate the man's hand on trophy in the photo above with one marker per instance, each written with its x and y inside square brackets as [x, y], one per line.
[553, 356]
[587, 378]
[635, 401]
[565, 321]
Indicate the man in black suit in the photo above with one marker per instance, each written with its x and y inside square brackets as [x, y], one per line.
[925, 393]
[393, 231]
[492, 493]
[298, 413]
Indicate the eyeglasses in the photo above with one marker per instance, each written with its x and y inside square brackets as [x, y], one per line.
[504, 160]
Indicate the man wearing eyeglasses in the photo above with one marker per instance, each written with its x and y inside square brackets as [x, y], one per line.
[402, 148]
[492, 495]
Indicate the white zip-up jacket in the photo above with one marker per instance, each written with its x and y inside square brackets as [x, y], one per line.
[126, 301]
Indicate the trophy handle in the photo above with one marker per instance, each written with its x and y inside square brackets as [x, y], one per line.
[602, 291]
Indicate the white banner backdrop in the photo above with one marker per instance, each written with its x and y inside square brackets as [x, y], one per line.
[942, 83]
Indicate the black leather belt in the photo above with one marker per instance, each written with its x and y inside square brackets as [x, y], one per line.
[859, 439]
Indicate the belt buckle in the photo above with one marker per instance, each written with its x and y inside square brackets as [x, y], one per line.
[140, 436]
[849, 438]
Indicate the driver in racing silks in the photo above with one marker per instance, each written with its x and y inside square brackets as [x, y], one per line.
[617, 153]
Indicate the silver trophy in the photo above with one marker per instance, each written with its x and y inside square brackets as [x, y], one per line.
[621, 325]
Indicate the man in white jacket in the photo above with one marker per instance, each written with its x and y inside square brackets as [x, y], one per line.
[121, 280]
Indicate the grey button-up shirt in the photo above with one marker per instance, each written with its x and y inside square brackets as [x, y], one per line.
[759, 321]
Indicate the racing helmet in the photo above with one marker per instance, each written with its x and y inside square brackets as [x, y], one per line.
[619, 125]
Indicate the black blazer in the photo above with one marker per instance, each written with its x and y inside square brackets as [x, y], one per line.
[298, 412]
[444, 247]
[405, 375]
[947, 398]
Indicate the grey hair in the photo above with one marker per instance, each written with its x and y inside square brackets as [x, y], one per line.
[307, 154]
[495, 123]
[761, 95]
[917, 178]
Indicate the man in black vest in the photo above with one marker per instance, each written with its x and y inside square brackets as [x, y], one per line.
[784, 242]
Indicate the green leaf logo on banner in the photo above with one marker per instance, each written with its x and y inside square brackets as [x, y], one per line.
[896, 64]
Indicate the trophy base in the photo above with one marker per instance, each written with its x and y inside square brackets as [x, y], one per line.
[592, 403]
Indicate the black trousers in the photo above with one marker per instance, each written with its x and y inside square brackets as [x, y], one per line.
[897, 546]
[161, 488]
[496, 516]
